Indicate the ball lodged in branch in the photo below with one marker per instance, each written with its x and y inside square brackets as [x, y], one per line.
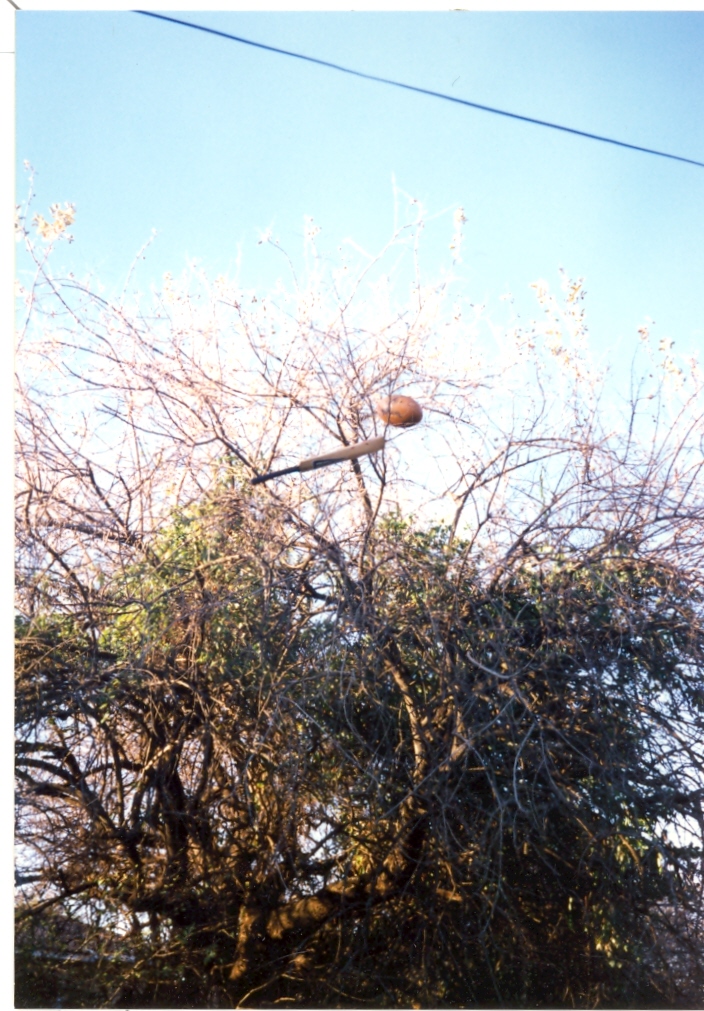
[399, 411]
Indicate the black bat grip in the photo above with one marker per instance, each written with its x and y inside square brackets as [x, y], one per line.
[273, 473]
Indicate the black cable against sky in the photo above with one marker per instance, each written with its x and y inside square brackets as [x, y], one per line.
[421, 91]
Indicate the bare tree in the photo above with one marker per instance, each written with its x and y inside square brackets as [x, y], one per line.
[425, 728]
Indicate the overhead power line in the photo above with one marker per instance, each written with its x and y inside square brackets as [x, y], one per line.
[421, 91]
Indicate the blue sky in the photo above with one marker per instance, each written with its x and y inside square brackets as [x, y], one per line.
[147, 125]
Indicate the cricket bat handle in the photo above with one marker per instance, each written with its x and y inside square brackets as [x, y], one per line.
[334, 456]
[274, 473]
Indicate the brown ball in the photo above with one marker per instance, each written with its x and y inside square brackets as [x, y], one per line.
[399, 411]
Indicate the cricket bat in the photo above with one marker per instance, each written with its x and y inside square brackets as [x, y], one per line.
[334, 456]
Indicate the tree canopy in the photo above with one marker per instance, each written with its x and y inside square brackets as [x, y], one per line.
[354, 739]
